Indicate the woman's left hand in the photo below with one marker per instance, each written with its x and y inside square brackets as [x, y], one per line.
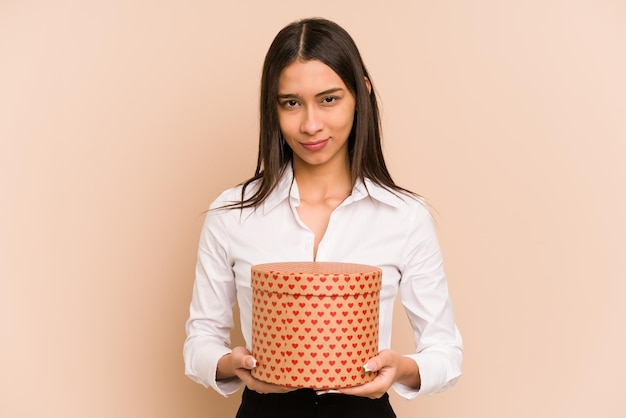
[391, 367]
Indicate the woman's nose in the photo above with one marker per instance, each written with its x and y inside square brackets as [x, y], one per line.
[311, 122]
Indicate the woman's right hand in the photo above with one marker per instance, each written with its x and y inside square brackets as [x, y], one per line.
[242, 363]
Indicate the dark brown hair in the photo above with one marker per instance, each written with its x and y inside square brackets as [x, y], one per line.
[323, 40]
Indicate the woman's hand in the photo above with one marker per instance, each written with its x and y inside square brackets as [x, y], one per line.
[391, 367]
[241, 363]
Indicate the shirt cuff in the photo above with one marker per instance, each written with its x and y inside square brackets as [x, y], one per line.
[405, 391]
[436, 375]
[204, 371]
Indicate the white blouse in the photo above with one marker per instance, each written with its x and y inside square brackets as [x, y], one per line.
[371, 226]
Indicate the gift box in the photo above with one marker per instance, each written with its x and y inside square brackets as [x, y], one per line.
[314, 324]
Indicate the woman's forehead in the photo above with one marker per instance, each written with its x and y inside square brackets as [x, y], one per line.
[308, 77]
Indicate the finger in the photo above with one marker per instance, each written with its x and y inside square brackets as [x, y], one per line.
[371, 365]
[372, 393]
[249, 362]
[324, 392]
[244, 361]
[378, 362]
[258, 385]
[373, 389]
[263, 387]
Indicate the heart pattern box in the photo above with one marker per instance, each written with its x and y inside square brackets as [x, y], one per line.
[314, 324]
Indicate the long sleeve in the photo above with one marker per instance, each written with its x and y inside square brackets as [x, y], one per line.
[424, 295]
[211, 310]
[372, 226]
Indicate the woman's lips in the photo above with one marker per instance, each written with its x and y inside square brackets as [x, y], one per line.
[314, 145]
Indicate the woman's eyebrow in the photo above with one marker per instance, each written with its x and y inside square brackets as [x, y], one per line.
[297, 96]
[329, 91]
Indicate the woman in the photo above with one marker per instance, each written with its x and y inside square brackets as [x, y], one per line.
[321, 192]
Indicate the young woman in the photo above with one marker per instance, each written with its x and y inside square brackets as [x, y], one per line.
[321, 192]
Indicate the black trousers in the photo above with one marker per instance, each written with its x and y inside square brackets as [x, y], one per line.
[305, 403]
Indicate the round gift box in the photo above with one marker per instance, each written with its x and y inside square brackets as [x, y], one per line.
[314, 324]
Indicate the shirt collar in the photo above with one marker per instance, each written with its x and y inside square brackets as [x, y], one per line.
[368, 188]
[281, 191]
[287, 187]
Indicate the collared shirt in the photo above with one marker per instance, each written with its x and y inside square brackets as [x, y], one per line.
[373, 226]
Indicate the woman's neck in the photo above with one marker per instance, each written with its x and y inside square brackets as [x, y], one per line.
[323, 183]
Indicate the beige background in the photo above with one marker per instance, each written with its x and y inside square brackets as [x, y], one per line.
[121, 120]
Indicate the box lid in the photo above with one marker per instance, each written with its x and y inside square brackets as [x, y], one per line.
[317, 278]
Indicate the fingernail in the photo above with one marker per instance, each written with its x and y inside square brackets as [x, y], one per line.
[252, 363]
[324, 392]
[366, 368]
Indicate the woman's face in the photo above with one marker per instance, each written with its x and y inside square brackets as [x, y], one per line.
[315, 113]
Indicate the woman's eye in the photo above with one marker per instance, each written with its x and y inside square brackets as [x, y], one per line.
[329, 100]
[290, 103]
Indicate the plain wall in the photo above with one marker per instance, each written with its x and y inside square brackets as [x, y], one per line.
[121, 120]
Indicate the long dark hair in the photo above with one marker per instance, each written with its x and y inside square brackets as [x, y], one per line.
[323, 40]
